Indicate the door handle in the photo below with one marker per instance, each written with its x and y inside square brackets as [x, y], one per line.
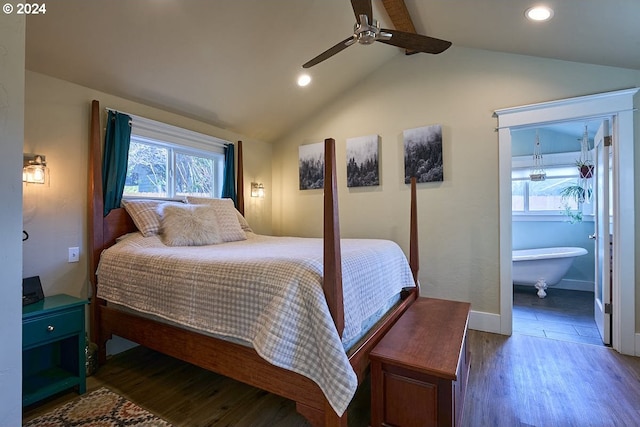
[592, 236]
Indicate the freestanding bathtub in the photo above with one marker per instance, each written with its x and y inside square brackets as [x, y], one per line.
[542, 267]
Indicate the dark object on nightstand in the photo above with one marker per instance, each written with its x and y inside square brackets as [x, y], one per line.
[53, 347]
[31, 290]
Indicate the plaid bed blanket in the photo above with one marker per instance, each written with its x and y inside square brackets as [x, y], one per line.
[265, 290]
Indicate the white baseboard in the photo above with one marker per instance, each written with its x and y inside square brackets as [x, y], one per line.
[485, 322]
[637, 344]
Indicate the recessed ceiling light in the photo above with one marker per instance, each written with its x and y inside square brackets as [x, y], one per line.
[539, 13]
[304, 79]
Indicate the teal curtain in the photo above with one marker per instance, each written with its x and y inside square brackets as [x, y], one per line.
[229, 183]
[114, 161]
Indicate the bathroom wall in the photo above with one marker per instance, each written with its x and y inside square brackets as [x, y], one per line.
[556, 232]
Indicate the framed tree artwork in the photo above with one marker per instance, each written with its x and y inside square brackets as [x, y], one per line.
[423, 154]
[362, 161]
[311, 166]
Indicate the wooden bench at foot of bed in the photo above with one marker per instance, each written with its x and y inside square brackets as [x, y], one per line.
[420, 368]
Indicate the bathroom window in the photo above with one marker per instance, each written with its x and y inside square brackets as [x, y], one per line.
[542, 197]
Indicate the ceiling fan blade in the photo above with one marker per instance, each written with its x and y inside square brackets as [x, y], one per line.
[330, 52]
[362, 7]
[415, 42]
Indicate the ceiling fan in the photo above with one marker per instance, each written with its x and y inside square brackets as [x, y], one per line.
[367, 31]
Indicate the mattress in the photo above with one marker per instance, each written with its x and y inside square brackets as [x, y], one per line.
[265, 291]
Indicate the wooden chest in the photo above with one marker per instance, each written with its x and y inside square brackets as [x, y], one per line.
[419, 370]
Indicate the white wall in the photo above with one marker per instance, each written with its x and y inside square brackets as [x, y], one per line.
[57, 117]
[12, 42]
[459, 89]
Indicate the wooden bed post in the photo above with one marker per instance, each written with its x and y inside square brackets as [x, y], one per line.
[414, 258]
[95, 226]
[240, 180]
[332, 280]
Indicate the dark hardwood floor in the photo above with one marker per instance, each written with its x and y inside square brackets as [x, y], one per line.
[515, 381]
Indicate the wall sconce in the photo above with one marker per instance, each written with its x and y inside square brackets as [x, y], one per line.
[34, 169]
[257, 189]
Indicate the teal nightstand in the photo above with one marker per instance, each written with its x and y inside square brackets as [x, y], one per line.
[53, 347]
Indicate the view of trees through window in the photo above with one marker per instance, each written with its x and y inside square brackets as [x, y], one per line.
[147, 170]
[193, 175]
[155, 170]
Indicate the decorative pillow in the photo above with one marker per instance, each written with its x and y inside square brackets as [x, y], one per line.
[189, 225]
[231, 223]
[243, 222]
[144, 214]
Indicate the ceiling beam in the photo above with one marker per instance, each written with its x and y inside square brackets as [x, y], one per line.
[399, 15]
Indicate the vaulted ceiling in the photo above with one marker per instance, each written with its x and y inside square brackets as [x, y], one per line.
[233, 63]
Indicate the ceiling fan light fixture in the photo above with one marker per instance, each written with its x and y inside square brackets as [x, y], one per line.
[304, 80]
[539, 13]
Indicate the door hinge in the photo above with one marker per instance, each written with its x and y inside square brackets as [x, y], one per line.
[607, 308]
[608, 141]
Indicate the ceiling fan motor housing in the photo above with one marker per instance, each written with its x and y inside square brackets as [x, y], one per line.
[369, 33]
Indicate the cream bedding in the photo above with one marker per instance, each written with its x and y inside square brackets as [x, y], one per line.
[265, 290]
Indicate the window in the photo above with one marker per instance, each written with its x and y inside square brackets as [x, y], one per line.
[542, 197]
[168, 162]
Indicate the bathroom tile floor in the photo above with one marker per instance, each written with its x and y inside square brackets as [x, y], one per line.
[563, 315]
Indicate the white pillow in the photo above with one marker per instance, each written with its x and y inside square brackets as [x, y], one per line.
[226, 211]
[189, 225]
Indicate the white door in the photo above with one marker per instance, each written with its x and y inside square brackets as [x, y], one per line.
[603, 229]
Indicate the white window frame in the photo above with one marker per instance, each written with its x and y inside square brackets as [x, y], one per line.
[552, 160]
[178, 140]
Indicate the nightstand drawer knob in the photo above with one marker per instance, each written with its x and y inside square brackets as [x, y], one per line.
[50, 328]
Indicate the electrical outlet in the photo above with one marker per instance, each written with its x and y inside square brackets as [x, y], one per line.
[74, 254]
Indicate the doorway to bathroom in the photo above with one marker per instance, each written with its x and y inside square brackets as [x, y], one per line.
[553, 222]
[618, 107]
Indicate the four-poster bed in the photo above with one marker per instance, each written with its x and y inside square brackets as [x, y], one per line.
[219, 355]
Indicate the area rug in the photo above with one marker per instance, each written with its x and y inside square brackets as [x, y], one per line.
[100, 408]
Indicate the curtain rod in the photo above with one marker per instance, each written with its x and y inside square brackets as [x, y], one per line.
[134, 116]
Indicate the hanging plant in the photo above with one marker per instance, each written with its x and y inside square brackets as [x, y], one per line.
[574, 216]
[585, 164]
[574, 192]
[578, 194]
[585, 168]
